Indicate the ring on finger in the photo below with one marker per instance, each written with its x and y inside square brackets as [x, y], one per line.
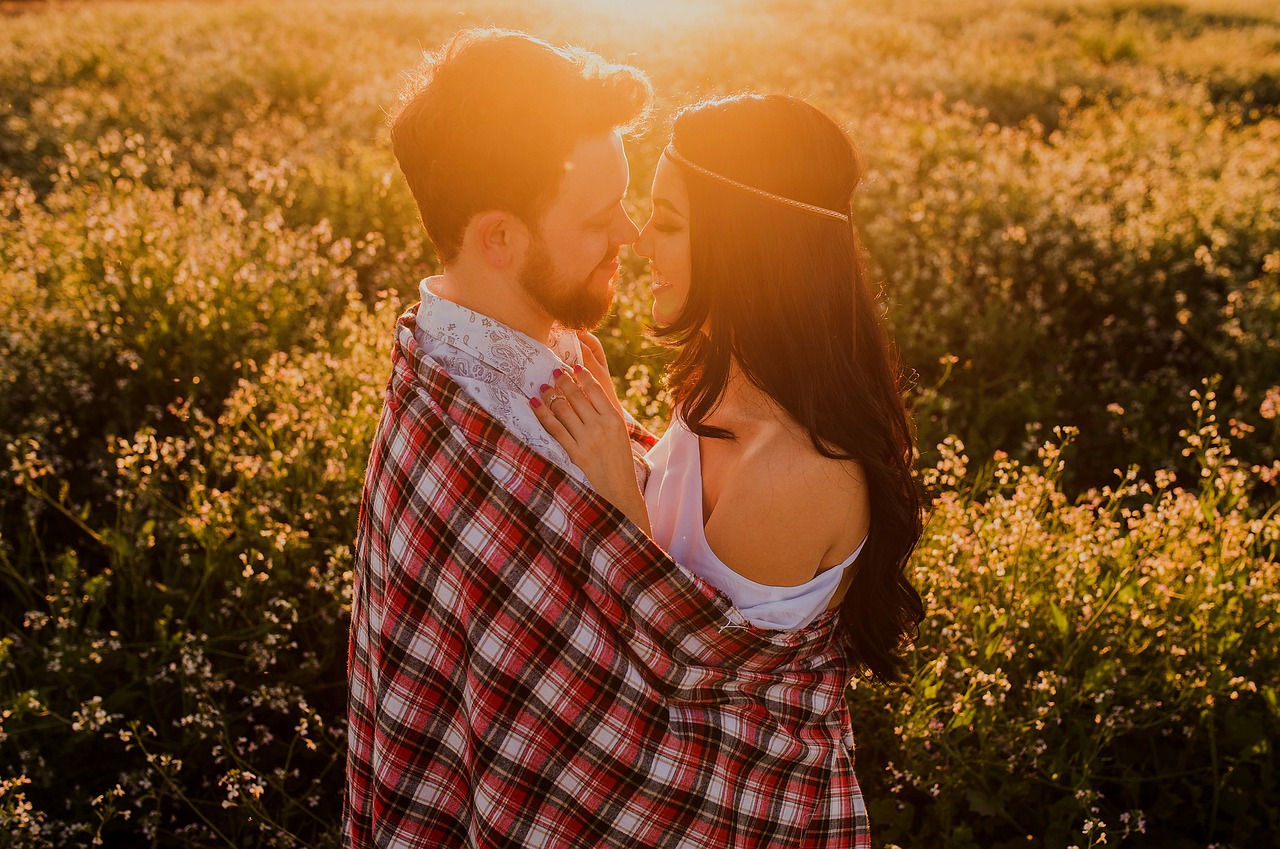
[553, 397]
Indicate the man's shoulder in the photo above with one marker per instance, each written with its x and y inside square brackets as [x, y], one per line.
[411, 411]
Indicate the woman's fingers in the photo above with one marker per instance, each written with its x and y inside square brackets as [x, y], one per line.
[567, 386]
[556, 421]
[575, 409]
[595, 362]
[593, 357]
[592, 389]
[592, 347]
[576, 412]
[548, 419]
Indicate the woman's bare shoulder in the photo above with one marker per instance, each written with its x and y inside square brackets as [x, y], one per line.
[788, 512]
[830, 495]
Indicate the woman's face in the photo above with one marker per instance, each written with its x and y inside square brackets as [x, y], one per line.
[665, 241]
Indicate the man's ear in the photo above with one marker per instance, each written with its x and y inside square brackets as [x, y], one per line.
[501, 237]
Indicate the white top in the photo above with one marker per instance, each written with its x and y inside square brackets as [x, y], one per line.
[674, 498]
[498, 366]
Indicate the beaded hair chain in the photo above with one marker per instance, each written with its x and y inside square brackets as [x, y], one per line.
[760, 193]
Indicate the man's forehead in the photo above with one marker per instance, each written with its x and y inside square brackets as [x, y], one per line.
[596, 171]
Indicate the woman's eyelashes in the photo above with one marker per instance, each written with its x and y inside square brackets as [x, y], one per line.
[663, 225]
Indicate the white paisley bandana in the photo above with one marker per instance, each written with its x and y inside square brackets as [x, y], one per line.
[498, 366]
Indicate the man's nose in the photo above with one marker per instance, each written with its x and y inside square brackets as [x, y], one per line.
[627, 231]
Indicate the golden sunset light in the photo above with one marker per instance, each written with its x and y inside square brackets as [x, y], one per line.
[652, 12]
[639, 423]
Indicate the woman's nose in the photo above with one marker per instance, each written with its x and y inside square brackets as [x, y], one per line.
[644, 243]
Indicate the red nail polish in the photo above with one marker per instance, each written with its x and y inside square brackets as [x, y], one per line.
[543, 388]
[556, 373]
[535, 403]
[578, 368]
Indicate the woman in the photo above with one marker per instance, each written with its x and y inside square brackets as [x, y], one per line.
[784, 479]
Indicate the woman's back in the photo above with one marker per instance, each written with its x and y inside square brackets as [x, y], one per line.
[774, 508]
[763, 517]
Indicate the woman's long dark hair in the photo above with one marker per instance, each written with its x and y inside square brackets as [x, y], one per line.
[784, 294]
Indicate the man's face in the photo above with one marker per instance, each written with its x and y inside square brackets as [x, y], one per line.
[572, 264]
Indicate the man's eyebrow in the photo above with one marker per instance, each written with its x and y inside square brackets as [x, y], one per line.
[607, 209]
[666, 204]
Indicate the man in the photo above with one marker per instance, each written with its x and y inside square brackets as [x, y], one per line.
[527, 668]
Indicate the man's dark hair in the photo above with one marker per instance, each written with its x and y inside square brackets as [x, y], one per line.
[489, 121]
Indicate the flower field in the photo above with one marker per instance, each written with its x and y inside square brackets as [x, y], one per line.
[1072, 209]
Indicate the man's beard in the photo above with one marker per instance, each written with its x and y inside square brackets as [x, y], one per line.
[572, 305]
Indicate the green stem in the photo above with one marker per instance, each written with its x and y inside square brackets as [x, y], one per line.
[177, 791]
[39, 494]
[1217, 778]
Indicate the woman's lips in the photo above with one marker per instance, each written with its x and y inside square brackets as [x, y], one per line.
[657, 282]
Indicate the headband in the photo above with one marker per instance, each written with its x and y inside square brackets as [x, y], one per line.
[760, 193]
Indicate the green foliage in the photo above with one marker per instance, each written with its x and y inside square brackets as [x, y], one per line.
[1060, 278]
[178, 673]
[123, 297]
[1072, 210]
[1091, 671]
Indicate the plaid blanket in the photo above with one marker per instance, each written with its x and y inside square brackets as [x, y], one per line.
[528, 669]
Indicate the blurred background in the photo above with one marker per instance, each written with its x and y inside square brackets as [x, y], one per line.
[1071, 213]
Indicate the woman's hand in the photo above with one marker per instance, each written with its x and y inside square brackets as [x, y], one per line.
[593, 358]
[578, 412]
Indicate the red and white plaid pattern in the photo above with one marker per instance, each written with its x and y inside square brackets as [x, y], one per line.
[528, 669]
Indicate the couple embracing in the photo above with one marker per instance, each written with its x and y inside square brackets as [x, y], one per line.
[565, 631]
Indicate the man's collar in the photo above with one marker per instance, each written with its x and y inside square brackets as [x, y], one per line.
[498, 345]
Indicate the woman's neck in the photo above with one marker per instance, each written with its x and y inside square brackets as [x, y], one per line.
[744, 407]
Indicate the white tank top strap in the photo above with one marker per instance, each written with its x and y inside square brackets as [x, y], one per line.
[674, 498]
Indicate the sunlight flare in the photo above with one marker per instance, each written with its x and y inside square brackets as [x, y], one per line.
[659, 14]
